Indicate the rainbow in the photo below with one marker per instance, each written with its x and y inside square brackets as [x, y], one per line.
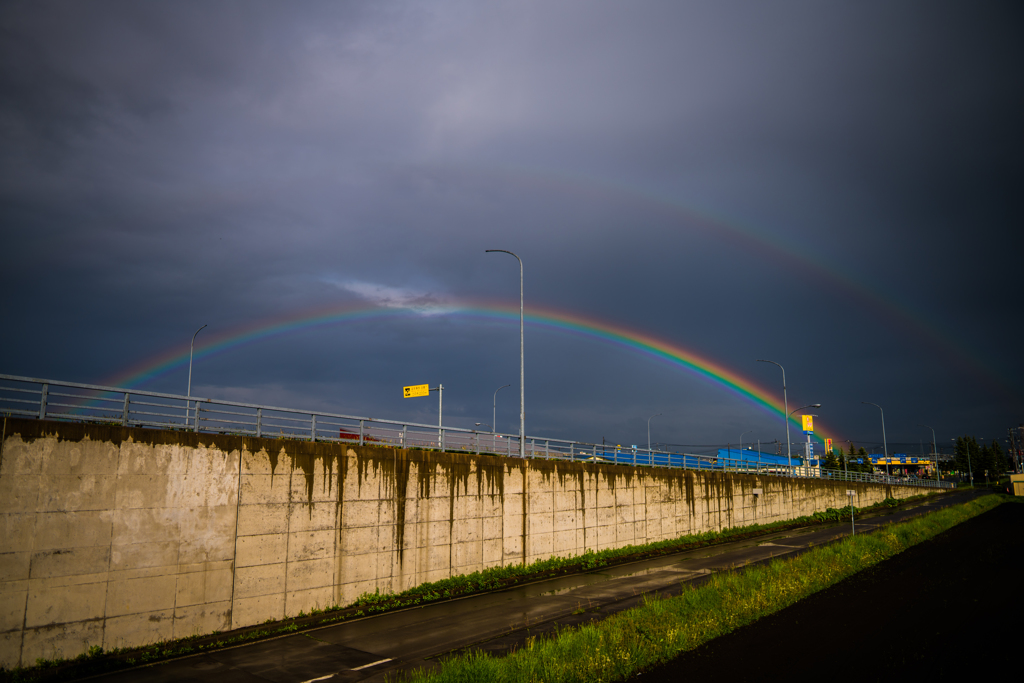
[791, 252]
[558, 321]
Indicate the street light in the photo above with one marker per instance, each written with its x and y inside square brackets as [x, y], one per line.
[189, 393]
[649, 432]
[797, 410]
[494, 441]
[785, 401]
[846, 471]
[494, 408]
[933, 453]
[885, 448]
[492, 433]
[741, 444]
[522, 389]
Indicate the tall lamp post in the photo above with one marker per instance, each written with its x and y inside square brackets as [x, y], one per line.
[522, 389]
[649, 432]
[785, 401]
[936, 455]
[741, 438]
[741, 444]
[191, 346]
[494, 408]
[492, 432]
[885, 448]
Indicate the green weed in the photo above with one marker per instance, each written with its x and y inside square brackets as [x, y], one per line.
[457, 586]
[632, 641]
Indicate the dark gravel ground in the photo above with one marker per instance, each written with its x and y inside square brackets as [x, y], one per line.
[948, 607]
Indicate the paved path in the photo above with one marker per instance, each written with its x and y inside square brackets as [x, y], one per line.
[367, 649]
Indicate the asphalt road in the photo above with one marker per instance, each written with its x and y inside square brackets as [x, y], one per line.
[946, 608]
[367, 649]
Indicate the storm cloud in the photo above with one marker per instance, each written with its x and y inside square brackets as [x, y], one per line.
[834, 186]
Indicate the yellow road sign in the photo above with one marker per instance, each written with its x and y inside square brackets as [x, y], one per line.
[416, 390]
[808, 422]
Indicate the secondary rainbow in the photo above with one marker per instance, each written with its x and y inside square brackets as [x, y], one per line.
[634, 341]
[790, 252]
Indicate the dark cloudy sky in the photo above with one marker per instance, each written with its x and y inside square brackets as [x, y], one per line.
[836, 186]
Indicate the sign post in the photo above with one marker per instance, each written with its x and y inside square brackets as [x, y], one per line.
[808, 424]
[849, 494]
[417, 390]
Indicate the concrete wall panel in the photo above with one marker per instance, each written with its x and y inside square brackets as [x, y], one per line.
[62, 604]
[15, 567]
[202, 618]
[120, 537]
[60, 640]
[13, 599]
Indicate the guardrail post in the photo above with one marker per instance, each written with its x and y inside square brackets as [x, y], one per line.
[259, 422]
[124, 412]
[508, 445]
[404, 428]
[42, 401]
[442, 440]
[313, 428]
[360, 432]
[476, 442]
[196, 429]
[547, 449]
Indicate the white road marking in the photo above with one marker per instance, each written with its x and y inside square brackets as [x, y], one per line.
[322, 678]
[367, 666]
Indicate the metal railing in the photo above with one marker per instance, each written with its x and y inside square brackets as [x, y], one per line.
[56, 400]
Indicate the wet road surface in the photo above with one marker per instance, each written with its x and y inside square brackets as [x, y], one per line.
[367, 649]
[943, 609]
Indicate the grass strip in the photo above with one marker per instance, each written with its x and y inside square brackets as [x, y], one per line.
[629, 642]
[97, 660]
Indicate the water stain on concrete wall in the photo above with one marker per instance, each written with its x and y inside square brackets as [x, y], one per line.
[120, 536]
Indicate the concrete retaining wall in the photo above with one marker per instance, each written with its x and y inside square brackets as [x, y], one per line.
[119, 537]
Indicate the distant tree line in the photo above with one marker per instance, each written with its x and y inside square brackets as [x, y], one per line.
[987, 461]
[838, 460]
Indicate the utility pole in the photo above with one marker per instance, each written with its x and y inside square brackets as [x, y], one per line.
[440, 407]
[191, 346]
